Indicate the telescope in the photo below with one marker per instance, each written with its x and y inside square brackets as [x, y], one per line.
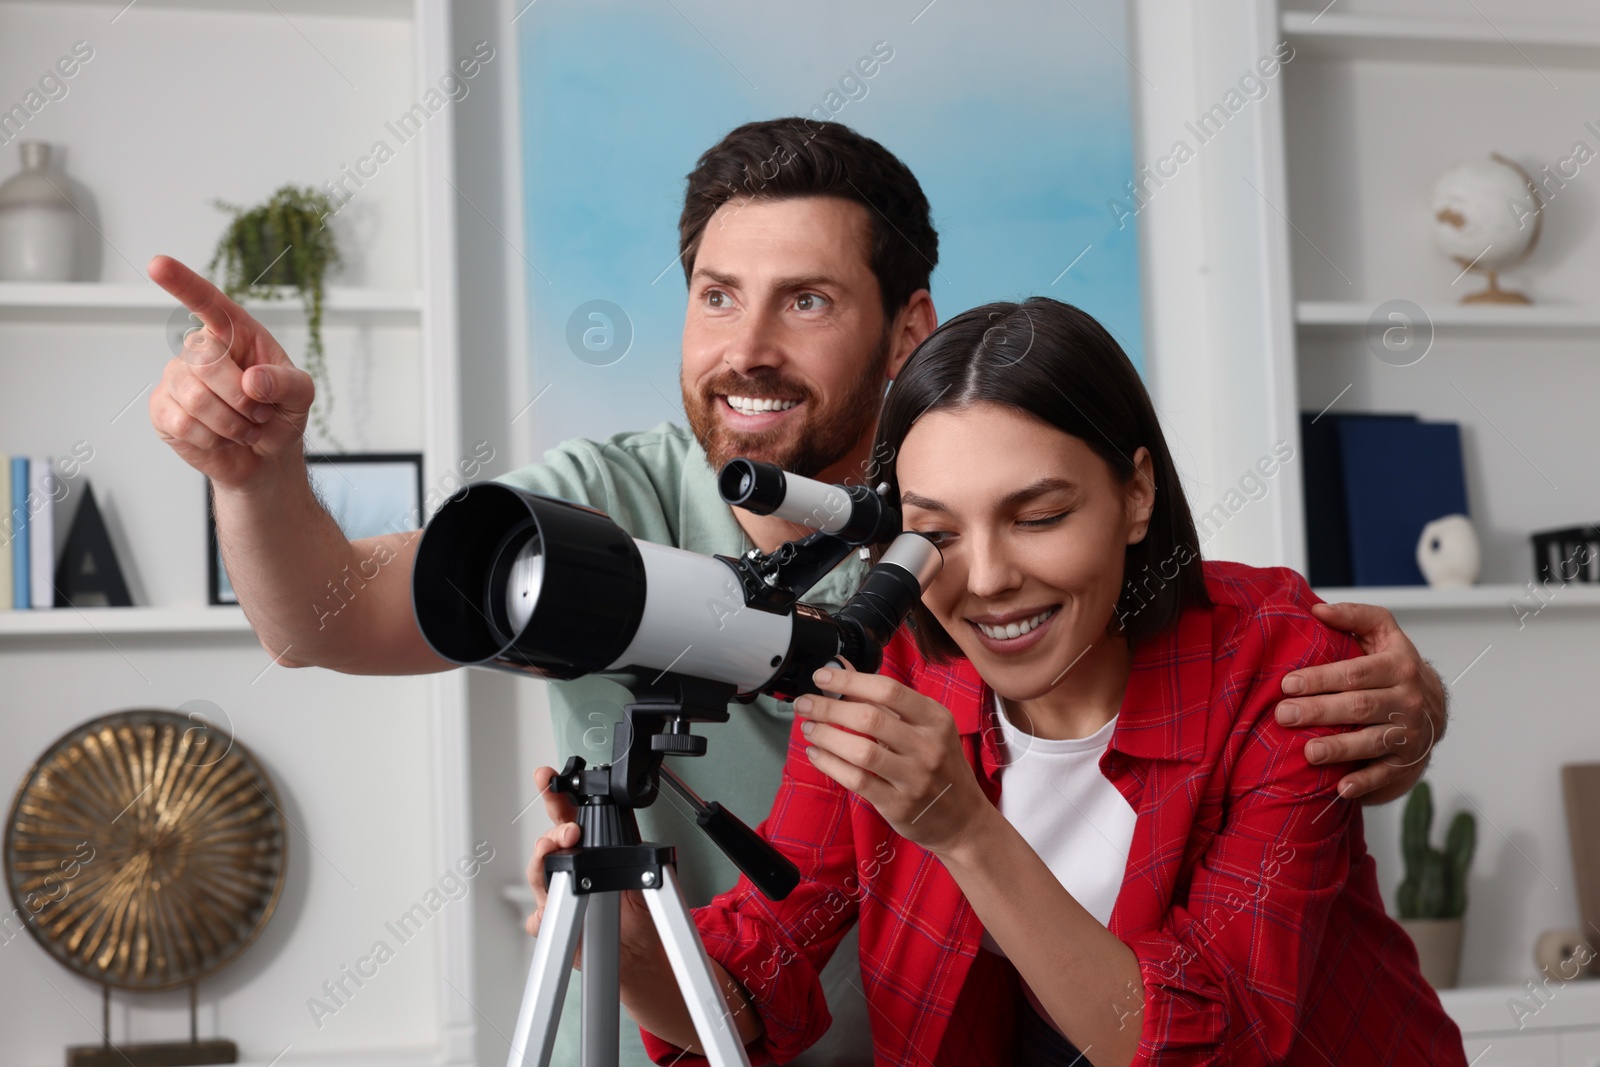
[517, 581]
[514, 580]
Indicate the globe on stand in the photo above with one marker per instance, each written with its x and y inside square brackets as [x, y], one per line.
[1487, 215]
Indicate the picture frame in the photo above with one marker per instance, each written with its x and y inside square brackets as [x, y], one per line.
[367, 493]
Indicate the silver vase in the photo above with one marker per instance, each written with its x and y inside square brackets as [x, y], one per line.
[38, 223]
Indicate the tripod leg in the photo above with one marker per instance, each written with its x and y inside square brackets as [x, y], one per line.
[708, 1009]
[547, 978]
[602, 1007]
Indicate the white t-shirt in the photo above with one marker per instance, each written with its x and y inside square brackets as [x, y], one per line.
[1072, 816]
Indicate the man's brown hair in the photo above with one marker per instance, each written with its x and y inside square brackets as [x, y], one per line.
[783, 159]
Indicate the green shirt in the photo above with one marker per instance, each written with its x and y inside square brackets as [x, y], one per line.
[658, 485]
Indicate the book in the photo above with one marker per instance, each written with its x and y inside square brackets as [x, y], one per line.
[42, 531]
[1399, 475]
[1327, 520]
[7, 532]
[20, 560]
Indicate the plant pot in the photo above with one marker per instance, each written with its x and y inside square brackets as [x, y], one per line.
[274, 266]
[1438, 944]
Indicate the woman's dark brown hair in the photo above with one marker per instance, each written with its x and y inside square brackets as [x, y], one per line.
[1057, 363]
[784, 159]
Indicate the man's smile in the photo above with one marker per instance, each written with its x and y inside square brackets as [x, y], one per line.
[756, 413]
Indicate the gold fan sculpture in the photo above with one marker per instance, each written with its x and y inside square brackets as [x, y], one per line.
[145, 850]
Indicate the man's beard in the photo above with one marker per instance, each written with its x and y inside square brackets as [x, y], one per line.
[823, 439]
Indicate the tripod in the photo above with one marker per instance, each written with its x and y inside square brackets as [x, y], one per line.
[585, 882]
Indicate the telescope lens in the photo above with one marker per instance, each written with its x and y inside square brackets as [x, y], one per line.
[522, 586]
[511, 579]
[515, 577]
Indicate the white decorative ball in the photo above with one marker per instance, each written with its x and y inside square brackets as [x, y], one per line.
[1484, 204]
[1448, 553]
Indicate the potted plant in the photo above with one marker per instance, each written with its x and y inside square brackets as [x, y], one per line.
[1433, 896]
[277, 244]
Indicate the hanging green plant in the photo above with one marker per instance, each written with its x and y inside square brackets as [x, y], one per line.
[284, 243]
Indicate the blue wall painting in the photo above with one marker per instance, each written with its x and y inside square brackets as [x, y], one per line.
[1015, 117]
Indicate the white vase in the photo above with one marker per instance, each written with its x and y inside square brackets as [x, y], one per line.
[1448, 554]
[38, 224]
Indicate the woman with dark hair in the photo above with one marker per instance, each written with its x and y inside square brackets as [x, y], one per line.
[1063, 813]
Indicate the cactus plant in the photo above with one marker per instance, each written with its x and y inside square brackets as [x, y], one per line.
[1435, 886]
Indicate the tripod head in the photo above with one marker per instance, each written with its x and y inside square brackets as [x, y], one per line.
[658, 724]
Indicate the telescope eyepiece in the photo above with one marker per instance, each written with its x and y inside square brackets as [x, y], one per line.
[853, 513]
[757, 487]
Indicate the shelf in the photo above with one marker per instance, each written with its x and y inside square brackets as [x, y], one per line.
[389, 9]
[66, 622]
[1340, 315]
[1478, 1010]
[72, 299]
[1333, 35]
[394, 1057]
[1413, 598]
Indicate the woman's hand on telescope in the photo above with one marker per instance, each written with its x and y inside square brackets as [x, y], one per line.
[231, 399]
[641, 946]
[899, 751]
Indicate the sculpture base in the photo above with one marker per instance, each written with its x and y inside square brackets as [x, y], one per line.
[1496, 296]
[160, 1054]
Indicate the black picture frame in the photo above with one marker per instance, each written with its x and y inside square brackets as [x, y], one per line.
[368, 493]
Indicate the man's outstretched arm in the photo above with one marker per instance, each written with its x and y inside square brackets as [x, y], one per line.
[1392, 691]
[233, 406]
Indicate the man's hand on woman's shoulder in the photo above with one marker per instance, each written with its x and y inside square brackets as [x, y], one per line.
[1391, 691]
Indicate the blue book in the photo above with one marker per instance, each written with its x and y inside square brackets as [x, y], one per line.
[1327, 524]
[20, 570]
[1398, 477]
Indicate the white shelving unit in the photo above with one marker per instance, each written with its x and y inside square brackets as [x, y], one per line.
[183, 102]
[1378, 100]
